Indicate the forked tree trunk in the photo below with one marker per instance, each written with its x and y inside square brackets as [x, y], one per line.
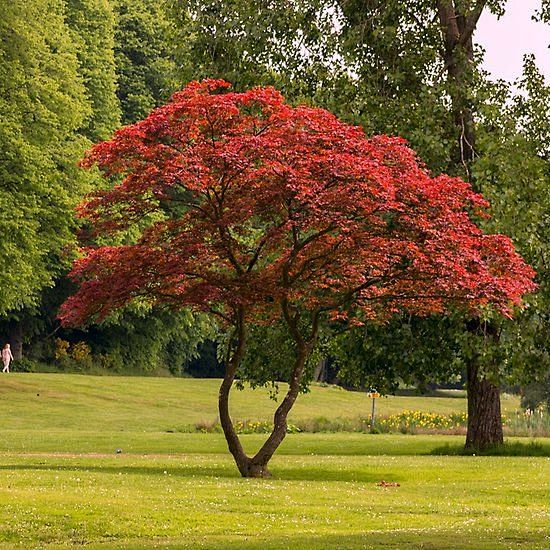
[484, 416]
[259, 461]
[256, 466]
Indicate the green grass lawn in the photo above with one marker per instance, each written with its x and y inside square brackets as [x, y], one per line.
[63, 484]
[313, 501]
[72, 401]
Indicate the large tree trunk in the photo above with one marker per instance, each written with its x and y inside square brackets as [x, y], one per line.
[484, 416]
[458, 25]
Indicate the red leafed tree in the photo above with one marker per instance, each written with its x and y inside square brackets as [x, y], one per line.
[256, 212]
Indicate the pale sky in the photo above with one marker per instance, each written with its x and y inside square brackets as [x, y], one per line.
[506, 40]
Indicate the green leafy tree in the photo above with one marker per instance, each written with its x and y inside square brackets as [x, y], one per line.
[513, 138]
[487, 137]
[145, 65]
[250, 43]
[145, 340]
[42, 106]
[92, 27]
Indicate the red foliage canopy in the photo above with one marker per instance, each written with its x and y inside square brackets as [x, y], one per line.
[244, 202]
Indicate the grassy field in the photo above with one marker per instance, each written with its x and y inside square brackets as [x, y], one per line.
[72, 401]
[313, 500]
[62, 482]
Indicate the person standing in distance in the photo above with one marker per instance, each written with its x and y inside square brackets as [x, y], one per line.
[7, 357]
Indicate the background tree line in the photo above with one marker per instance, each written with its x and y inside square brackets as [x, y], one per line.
[72, 71]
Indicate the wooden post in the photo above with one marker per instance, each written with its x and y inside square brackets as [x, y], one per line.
[373, 395]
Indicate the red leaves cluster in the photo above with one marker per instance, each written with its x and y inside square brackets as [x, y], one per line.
[244, 201]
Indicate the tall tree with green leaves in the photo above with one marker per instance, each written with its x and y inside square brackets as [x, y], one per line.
[435, 40]
[513, 137]
[250, 43]
[92, 25]
[144, 56]
[42, 106]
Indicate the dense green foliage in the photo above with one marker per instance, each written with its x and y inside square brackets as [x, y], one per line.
[43, 105]
[143, 55]
[380, 64]
[513, 166]
[536, 394]
[70, 69]
[400, 85]
[92, 30]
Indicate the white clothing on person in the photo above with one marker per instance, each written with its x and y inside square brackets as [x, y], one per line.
[7, 357]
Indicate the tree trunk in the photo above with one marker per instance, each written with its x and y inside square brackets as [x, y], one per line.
[16, 339]
[320, 372]
[232, 362]
[458, 25]
[484, 416]
[260, 460]
[256, 466]
[458, 55]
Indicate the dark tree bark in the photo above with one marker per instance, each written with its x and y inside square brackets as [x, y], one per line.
[484, 415]
[458, 56]
[233, 361]
[484, 428]
[320, 372]
[258, 463]
[256, 466]
[458, 26]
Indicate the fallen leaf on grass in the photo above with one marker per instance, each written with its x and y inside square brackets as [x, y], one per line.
[388, 484]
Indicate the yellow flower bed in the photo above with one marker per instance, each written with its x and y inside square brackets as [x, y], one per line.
[410, 420]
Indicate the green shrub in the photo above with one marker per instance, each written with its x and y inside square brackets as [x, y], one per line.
[25, 365]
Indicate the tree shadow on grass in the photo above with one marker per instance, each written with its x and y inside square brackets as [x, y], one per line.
[320, 473]
[424, 538]
[406, 538]
[279, 473]
[516, 448]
